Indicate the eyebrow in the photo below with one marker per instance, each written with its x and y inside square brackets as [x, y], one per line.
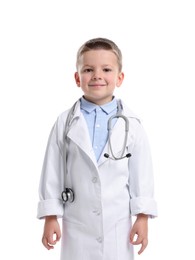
[104, 65]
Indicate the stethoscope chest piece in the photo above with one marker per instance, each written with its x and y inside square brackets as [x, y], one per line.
[67, 195]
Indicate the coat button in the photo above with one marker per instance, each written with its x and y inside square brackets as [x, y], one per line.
[94, 180]
[97, 212]
[99, 239]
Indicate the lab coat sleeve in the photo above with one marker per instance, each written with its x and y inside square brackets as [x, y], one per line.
[51, 181]
[141, 185]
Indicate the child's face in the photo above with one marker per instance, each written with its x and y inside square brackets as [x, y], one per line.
[98, 75]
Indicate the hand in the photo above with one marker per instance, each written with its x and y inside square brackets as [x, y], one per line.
[51, 233]
[140, 228]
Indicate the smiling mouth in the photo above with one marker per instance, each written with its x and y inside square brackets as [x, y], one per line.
[97, 85]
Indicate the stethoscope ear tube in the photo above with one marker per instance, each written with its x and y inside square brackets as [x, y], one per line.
[118, 115]
[128, 155]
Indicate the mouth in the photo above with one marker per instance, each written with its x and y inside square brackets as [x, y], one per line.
[96, 85]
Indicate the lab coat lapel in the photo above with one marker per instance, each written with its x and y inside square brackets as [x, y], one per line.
[79, 134]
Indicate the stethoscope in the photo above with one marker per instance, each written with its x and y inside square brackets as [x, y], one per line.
[68, 194]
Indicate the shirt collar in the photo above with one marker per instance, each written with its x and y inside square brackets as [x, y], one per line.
[107, 108]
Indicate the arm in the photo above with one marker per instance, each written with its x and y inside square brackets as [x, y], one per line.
[51, 233]
[141, 184]
[52, 176]
[141, 181]
[140, 228]
[51, 184]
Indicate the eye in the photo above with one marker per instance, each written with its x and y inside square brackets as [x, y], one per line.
[86, 70]
[107, 70]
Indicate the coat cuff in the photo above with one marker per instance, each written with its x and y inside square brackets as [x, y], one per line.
[143, 205]
[50, 207]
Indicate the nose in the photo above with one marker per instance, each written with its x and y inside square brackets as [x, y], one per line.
[97, 75]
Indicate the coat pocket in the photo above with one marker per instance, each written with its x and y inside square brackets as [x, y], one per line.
[124, 248]
[71, 247]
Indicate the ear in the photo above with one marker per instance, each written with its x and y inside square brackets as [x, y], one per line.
[77, 79]
[120, 79]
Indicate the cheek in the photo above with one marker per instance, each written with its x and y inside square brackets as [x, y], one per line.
[114, 80]
[112, 77]
[85, 78]
[82, 80]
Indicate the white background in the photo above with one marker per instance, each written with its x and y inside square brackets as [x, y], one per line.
[38, 45]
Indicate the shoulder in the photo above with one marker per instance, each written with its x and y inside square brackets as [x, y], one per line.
[72, 112]
[130, 113]
[135, 122]
[63, 115]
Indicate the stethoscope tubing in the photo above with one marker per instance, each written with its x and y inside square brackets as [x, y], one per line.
[118, 115]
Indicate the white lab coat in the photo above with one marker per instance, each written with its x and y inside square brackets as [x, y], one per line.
[107, 193]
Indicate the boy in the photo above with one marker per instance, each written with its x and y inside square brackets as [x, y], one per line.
[108, 176]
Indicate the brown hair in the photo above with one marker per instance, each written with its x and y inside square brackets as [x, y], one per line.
[100, 44]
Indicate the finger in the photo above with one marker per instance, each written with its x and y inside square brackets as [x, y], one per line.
[134, 238]
[143, 247]
[51, 240]
[137, 241]
[46, 244]
[58, 236]
[132, 235]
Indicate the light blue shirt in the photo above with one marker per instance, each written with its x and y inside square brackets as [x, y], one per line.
[97, 120]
